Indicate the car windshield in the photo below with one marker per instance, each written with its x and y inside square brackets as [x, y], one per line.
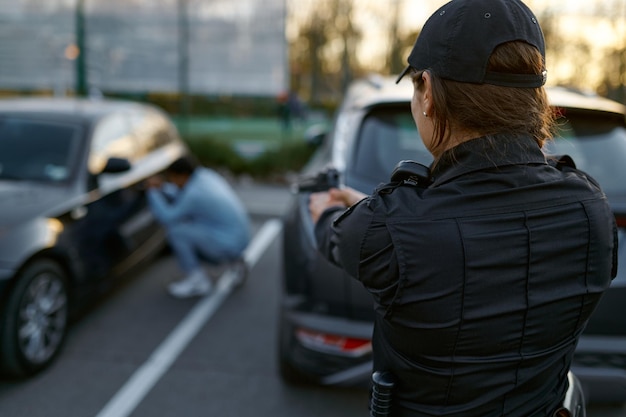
[597, 143]
[387, 136]
[36, 150]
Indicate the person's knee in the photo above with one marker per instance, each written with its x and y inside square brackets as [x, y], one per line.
[179, 237]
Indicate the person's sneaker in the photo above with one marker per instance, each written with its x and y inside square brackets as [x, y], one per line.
[194, 285]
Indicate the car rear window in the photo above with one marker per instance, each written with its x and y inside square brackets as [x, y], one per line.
[37, 150]
[597, 143]
[387, 136]
[595, 140]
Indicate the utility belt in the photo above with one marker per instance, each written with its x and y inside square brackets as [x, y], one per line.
[381, 397]
[381, 394]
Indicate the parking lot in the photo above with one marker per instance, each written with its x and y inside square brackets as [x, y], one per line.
[141, 353]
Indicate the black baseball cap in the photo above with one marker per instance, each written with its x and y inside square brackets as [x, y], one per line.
[458, 39]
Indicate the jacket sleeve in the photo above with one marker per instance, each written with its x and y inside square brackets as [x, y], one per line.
[165, 211]
[358, 241]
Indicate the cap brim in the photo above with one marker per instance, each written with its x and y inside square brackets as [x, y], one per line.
[403, 73]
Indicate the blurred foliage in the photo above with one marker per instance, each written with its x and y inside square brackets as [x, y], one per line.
[582, 62]
[327, 34]
[287, 158]
[218, 130]
[265, 148]
[203, 105]
[273, 164]
[242, 135]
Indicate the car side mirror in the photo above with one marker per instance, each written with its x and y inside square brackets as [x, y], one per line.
[315, 135]
[115, 165]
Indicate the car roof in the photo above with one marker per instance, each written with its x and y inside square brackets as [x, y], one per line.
[564, 97]
[63, 107]
[377, 89]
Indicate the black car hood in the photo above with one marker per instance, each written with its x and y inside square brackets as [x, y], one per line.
[21, 201]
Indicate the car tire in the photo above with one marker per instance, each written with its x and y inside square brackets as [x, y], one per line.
[34, 319]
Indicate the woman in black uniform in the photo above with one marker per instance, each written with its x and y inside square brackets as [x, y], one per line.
[484, 278]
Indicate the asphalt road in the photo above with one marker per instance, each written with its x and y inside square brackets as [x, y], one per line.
[141, 353]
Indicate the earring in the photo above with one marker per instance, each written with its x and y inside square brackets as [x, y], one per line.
[424, 113]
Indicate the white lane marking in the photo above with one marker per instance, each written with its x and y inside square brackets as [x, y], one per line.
[141, 382]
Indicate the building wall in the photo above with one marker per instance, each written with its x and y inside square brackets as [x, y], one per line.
[232, 47]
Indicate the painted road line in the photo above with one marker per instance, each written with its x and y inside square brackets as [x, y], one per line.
[141, 382]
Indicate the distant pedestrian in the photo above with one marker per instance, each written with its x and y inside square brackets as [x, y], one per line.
[290, 108]
[284, 111]
[204, 220]
[296, 106]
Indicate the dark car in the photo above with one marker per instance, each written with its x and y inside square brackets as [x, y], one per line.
[326, 317]
[73, 216]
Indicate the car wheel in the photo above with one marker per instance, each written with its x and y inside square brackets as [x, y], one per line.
[34, 320]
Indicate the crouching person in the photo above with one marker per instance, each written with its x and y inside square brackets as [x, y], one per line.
[204, 219]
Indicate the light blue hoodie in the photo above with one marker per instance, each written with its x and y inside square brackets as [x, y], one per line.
[209, 203]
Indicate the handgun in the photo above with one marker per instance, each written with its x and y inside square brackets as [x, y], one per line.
[322, 181]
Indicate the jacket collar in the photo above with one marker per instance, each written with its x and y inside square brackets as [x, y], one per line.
[484, 153]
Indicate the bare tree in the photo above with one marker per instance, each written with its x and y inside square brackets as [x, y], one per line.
[323, 53]
[350, 37]
[613, 84]
[582, 56]
[395, 58]
[314, 35]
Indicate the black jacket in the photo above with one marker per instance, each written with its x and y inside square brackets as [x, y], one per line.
[483, 281]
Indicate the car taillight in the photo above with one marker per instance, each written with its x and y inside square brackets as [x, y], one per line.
[335, 344]
[621, 221]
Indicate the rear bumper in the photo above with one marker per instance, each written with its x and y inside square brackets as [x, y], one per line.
[600, 365]
[322, 365]
[599, 362]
